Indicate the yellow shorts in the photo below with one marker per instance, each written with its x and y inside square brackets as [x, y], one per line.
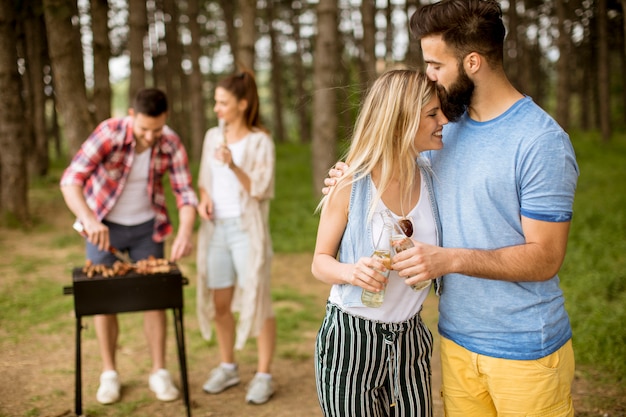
[481, 386]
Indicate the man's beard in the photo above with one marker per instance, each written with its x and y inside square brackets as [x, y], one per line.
[457, 98]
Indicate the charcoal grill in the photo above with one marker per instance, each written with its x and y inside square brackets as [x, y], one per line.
[127, 293]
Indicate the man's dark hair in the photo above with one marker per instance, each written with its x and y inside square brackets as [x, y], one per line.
[150, 101]
[464, 25]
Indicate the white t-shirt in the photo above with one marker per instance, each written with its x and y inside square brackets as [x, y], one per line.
[226, 187]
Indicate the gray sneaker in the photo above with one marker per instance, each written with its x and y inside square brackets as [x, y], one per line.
[220, 379]
[259, 390]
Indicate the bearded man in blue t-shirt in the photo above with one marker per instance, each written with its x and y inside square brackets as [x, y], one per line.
[504, 184]
[506, 179]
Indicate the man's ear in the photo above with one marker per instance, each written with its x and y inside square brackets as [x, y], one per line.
[472, 62]
[131, 111]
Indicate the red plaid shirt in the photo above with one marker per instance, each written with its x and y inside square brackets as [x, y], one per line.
[103, 163]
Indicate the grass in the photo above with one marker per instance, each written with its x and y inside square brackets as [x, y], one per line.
[293, 223]
[593, 276]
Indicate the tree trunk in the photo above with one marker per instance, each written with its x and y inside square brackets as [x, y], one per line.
[413, 58]
[324, 96]
[174, 73]
[13, 171]
[368, 44]
[101, 57]
[246, 34]
[586, 114]
[277, 80]
[563, 67]
[137, 29]
[67, 68]
[532, 75]
[594, 85]
[198, 123]
[389, 34]
[158, 54]
[623, 60]
[302, 104]
[228, 8]
[512, 47]
[37, 57]
[604, 92]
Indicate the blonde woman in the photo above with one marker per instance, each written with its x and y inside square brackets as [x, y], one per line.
[376, 361]
[236, 183]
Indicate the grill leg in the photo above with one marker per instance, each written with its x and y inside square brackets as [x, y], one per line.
[78, 380]
[180, 343]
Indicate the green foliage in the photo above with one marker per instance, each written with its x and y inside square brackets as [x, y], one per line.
[293, 222]
[593, 276]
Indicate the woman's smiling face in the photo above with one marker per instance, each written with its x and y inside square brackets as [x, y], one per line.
[432, 120]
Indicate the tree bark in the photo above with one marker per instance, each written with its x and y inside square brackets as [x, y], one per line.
[67, 67]
[623, 60]
[413, 58]
[158, 54]
[228, 8]
[246, 34]
[563, 68]
[302, 105]
[604, 93]
[137, 29]
[101, 57]
[586, 61]
[277, 78]
[324, 97]
[174, 74]
[389, 35]
[196, 98]
[37, 57]
[368, 44]
[13, 165]
[512, 47]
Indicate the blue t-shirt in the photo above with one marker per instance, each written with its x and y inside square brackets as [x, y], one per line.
[487, 176]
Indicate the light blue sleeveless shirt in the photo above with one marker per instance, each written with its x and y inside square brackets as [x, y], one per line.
[488, 175]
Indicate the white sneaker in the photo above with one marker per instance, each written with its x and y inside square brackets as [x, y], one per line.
[260, 390]
[161, 384]
[109, 389]
[220, 379]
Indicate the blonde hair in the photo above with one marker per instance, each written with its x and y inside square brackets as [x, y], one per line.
[385, 132]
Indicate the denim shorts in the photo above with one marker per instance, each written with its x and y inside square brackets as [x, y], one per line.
[227, 257]
[136, 240]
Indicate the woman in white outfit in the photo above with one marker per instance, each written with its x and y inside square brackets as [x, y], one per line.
[236, 183]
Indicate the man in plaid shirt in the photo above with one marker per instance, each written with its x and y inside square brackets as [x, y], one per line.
[114, 186]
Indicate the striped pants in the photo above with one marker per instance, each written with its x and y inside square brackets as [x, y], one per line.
[365, 368]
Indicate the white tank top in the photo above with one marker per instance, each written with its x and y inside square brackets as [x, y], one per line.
[133, 206]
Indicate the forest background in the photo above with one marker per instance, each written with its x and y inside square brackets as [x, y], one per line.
[65, 65]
